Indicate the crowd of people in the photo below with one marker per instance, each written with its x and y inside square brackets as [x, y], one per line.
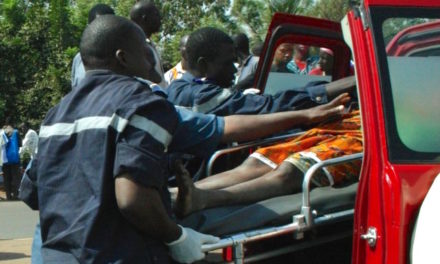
[17, 148]
[105, 152]
[296, 59]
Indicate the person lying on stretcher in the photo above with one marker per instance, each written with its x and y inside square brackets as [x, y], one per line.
[276, 170]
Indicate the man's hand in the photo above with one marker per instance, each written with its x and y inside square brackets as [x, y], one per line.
[188, 247]
[331, 110]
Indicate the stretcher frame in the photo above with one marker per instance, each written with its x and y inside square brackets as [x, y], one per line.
[305, 220]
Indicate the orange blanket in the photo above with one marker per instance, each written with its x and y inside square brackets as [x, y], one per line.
[326, 141]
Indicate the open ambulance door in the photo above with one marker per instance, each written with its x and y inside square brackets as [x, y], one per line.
[398, 93]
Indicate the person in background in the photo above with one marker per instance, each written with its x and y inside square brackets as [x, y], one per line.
[3, 157]
[257, 48]
[147, 16]
[177, 71]
[283, 55]
[29, 144]
[324, 65]
[11, 168]
[247, 63]
[78, 71]
[302, 62]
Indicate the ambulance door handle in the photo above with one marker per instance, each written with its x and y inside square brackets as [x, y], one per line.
[370, 236]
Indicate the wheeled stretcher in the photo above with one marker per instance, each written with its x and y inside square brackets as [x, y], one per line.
[295, 214]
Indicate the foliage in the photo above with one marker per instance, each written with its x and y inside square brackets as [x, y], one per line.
[254, 16]
[330, 9]
[39, 38]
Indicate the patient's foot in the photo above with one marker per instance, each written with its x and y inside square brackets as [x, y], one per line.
[189, 198]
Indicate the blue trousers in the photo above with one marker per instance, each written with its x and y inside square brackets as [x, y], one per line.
[37, 243]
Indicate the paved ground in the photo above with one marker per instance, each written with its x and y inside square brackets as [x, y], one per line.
[17, 223]
[15, 251]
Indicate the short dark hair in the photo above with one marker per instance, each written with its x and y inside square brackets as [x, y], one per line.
[104, 36]
[241, 43]
[205, 42]
[257, 48]
[99, 10]
[140, 8]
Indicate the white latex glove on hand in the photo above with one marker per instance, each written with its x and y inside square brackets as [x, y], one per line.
[188, 247]
[251, 91]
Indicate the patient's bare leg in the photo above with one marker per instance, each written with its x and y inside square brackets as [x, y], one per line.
[286, 179]
[250, 169]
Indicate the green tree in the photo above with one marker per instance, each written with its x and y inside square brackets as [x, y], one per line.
[34, 70]
[254, 16]
[39, 38]
[182, 17]
[329, 9]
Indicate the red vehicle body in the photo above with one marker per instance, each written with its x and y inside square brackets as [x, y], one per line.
[396, 173]
[390, 193]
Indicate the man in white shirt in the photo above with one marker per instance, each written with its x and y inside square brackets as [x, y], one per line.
[30, 141]
[177, 71]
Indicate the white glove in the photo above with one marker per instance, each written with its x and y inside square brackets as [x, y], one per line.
[188, 247]
[251, 91]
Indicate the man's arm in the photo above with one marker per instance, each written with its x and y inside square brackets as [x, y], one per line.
[143, 207]
[344, 85]
[250, 127]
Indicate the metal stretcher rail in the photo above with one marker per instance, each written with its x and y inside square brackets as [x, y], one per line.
[306, 209]
[301, 222]
[255, 235]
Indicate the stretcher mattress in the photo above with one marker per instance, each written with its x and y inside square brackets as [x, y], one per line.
[275, 211]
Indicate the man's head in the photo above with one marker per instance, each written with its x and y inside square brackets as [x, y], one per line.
[257, 48]
[210, 53]
[23, 128]
[115, 43]
[301, 52]
[99, 10]
[147, 16]
[283, 54]
[241, 44]
[326, 60]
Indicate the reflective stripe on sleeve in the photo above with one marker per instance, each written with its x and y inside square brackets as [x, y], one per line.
[213, 102]
[103, 122]
[156, 131]
[86, 123]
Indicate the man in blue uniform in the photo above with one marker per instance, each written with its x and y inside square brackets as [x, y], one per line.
[204, 88]
[102, 161]
[101, 165]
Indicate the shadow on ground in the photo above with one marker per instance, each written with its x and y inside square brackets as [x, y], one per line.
[12, 256]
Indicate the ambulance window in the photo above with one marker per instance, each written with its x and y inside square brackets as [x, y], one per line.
[408, 49]
[295, 65]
